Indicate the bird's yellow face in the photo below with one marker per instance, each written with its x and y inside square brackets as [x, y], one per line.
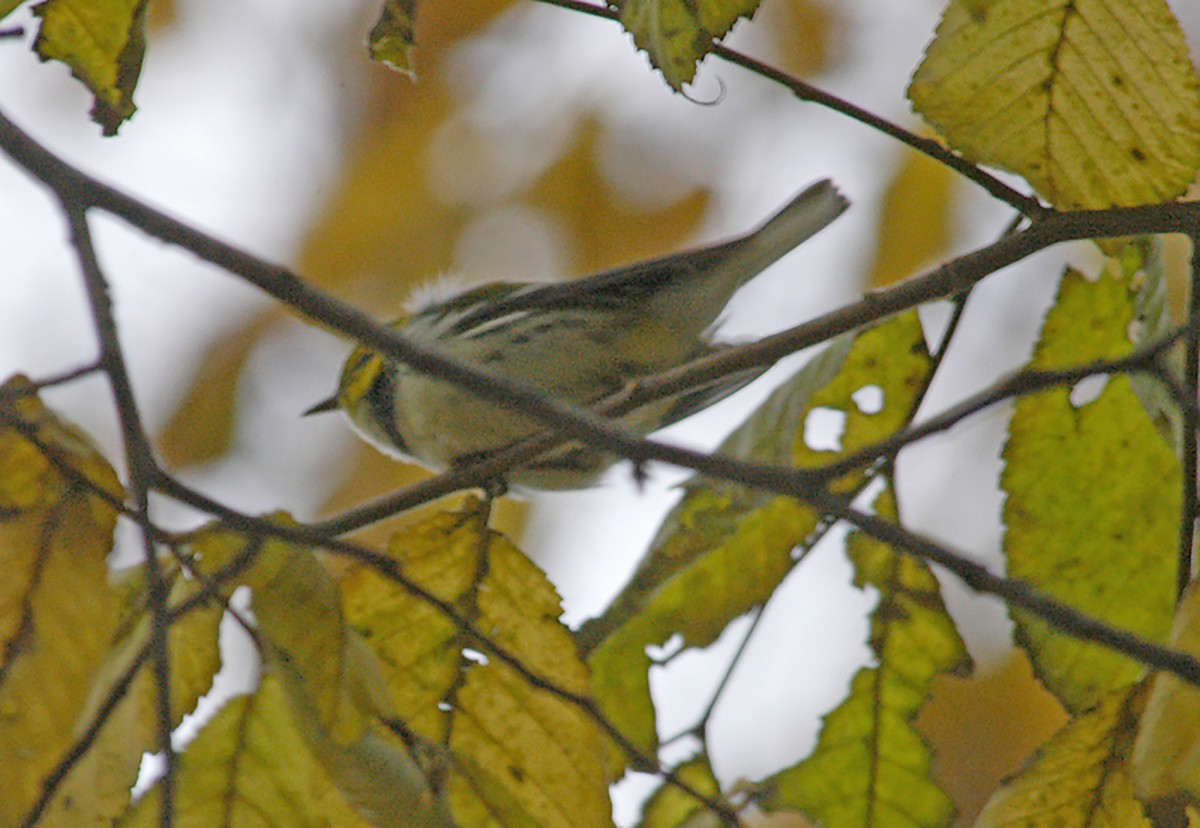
[366, 393]
[359, 373]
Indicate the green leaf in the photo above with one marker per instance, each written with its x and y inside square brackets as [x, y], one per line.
[103, 42]
[724, 549]
[1080, 778]
[1093, 500]
[1094, 102]
[392, 37]
[870, 766]
[677, 34]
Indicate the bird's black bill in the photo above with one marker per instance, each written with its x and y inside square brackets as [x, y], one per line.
[330, 404]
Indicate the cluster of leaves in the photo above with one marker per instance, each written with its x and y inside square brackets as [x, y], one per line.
[431, 683]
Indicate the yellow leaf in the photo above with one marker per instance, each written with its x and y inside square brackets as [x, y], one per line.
[915, 222]
[517, 753]
[298, 607]
[1093, 500]
[333, 682]
[99, 785]
[251, 766]
[1080, 778]
[677, 34]
[803, 34]
[392, 37]
[103, 42]
[202, 426]
[605, 229]
[7, 7]
[1094, 102]
[1166, 755]
[57, 610]
[983, 728]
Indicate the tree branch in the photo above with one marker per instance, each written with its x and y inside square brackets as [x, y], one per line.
[571, 421]
[142, 470]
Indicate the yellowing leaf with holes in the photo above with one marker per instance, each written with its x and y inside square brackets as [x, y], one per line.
[252, 765]
[57, 609]
[1166, 755]
[511, 747]
[103, 42]
[724, 548]
[677, 34]
[1093, 500]
[1080, 778]
[392, 37]
[333, 683]
[870, 766]
[1094, 102]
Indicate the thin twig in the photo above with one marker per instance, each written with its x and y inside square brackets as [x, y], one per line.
[1188, 448]
[11, 394]
[1026, 205]
[141, 470]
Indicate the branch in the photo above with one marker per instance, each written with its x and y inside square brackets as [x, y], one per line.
[141, 469]
[572, 421]
[14, 393]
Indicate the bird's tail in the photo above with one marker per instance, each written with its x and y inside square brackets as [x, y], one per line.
[803, 217]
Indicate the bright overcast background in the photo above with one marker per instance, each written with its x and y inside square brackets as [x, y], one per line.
[248, 111]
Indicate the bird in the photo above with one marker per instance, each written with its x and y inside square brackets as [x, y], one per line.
[579, 341]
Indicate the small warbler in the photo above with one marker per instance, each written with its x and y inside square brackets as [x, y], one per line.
[580, 341]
